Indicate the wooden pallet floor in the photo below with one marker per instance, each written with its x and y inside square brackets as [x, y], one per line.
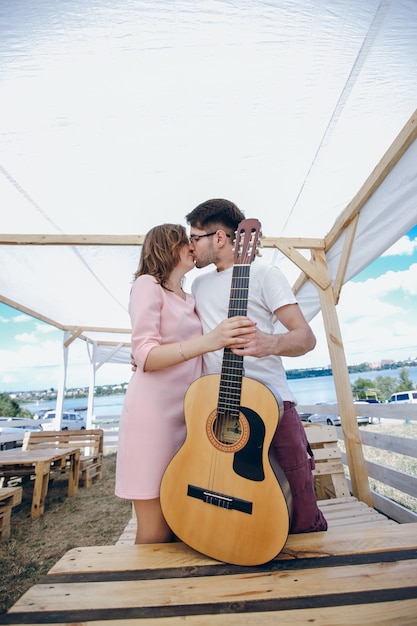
[361, 576]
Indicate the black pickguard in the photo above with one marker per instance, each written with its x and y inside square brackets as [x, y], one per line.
[247, 462]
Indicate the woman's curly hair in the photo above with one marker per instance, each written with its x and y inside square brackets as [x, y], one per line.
[161, 251]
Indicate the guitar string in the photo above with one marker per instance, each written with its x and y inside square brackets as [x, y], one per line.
[231, 378]
[232, 370]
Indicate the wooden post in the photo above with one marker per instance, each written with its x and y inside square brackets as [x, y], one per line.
[354, 451]
[74, 472]
[40, 488]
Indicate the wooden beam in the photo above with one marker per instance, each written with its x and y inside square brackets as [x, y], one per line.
[304, 264]
[295, 242]
[133, 240]
[350, 231]
[71, 240]
[100, 329]
[74, 336]
[123, 344]
[354, 451]
[30, 312]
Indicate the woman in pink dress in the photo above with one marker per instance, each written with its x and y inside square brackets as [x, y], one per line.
[167, 344]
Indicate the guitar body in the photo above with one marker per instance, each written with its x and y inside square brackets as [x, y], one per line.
[220, 493]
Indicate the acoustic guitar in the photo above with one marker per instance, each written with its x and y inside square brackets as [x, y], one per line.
[222, 493]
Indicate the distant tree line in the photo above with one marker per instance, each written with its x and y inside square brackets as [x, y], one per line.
[315, 372]
[11, 408]
[381, 387]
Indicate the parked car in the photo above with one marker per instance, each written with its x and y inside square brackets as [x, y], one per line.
[71, 420]
[404, 397]
[22, 423]
[331, 420]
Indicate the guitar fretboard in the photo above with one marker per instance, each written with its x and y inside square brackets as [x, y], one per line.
[232, 366]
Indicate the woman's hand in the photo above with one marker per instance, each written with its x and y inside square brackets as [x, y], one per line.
[233, 332]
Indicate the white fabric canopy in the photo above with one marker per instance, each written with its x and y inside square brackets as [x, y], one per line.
[116, 116]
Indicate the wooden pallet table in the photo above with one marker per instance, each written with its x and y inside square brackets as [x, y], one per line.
[361, 576]
[38, 463]
[90, 443]
[9, 498]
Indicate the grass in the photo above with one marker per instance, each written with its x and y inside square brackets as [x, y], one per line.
[93, 517]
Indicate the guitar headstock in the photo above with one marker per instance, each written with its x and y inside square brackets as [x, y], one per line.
[246, 243]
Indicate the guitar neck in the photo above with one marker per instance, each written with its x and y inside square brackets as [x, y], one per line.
[232, 365]
[238, 301]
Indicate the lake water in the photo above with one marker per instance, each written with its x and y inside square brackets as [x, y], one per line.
[306, 390]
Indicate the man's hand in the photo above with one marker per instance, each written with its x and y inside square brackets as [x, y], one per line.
[298, 339]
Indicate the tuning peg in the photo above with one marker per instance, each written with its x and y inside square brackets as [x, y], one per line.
[259, 244]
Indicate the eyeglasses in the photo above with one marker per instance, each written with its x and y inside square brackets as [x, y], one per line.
[195, 238]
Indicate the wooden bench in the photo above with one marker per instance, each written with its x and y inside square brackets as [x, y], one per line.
[339, 507]
[9, 497]
[358, 577]
[334, 499]
[90, 443]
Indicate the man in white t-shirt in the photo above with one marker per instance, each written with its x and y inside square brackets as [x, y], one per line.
[271, 303]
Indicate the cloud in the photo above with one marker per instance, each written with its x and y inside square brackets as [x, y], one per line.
[22, 318]
[26, 338]
[382, 287]
[373, 323]
[16, 319]
[45, 329]
[404, 246]
[409, 280]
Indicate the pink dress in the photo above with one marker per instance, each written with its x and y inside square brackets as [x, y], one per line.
[152, 426]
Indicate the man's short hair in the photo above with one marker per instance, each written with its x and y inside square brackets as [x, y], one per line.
[215, 212]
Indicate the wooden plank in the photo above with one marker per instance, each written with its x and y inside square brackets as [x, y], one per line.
[392, 443]
[392, 477]
[395, 511]
[40, 488]
[319, 433]
[5, 515]
[330, 467]
[327, 453]
[10, 496]
[401, 613]
[234, 593]
[173, 555]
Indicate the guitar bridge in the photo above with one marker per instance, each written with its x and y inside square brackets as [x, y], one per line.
[220, 499]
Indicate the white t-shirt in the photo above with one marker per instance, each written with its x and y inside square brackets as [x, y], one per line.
[268, 290]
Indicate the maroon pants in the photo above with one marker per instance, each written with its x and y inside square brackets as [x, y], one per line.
[291, 450]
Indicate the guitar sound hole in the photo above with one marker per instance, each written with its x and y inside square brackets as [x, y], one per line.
[228, 432]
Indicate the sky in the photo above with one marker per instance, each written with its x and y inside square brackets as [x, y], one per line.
[377, 316]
